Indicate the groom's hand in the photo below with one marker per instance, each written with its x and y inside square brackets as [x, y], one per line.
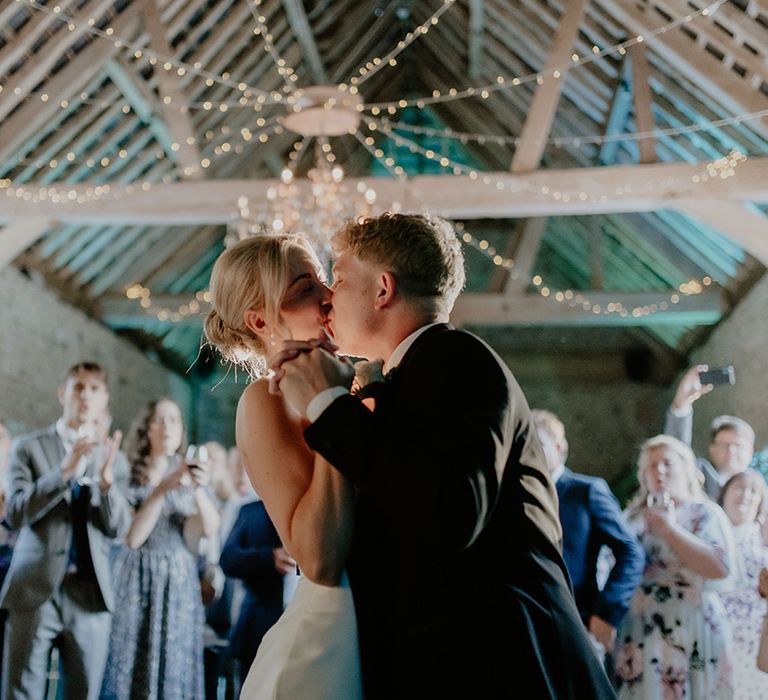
[311, 372]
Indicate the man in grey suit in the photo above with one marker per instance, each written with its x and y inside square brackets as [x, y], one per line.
[66, 498]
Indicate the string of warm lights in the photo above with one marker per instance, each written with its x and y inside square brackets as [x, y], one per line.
[723, 167]
[577, 299]
[390, 59]
[143, 295]
[167, 63]
[368, 143]
[284, 70]
[558, 72]
[570, 297]
[597, 139]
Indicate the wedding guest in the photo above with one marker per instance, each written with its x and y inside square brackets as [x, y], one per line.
[7, 537]
[591, 519]
[254, 554]
[65, 496]
[675, 641]
[743, 499]
[156, 647]
[732, 439]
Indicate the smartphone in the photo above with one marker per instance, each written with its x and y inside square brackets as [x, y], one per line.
[718, 375]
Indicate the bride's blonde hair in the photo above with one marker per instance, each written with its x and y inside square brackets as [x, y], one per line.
[251, 274]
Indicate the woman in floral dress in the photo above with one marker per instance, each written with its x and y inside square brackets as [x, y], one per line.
[675, 641]
[156, 647]
[742, 499]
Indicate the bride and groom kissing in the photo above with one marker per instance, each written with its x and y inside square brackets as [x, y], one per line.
[425, 526]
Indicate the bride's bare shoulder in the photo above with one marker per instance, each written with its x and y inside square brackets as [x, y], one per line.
[256, 401]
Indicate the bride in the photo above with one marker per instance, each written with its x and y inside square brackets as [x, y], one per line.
[265, 290]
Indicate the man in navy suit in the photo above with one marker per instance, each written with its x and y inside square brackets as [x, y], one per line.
[590, 516]
[253, 552]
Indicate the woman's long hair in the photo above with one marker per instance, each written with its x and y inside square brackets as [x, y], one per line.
[137, 445]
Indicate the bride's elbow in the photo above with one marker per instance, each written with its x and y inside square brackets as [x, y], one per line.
[323, 573]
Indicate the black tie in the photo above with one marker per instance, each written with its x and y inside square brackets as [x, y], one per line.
[80, 551]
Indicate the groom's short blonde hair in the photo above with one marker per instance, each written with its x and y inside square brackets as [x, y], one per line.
[421, 251]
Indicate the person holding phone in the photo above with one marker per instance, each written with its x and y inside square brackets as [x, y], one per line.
[675, 641]
[732, 439]
[156, 647]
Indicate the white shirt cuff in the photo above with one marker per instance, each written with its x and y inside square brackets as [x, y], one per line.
[680, 413]
[324, 399]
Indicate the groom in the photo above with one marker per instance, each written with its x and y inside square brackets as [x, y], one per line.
[459, 586]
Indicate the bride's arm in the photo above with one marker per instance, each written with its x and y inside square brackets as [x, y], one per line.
[309, 502]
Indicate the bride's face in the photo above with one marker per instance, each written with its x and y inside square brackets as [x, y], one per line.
[304, 311]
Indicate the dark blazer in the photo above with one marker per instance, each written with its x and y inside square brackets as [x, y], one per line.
[247, 555]
[38, 505]
[459, 588]
[591, 517]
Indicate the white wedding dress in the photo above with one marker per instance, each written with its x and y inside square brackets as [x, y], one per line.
[311, 652]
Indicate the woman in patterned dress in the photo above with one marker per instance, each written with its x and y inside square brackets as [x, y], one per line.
[156, 647]
[742, 498]
[675, 641]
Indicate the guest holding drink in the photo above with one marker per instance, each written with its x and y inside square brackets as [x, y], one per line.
[156, 647]
[743, 498]
[675, 641]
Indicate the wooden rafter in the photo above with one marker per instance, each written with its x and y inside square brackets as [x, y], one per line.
[23, 82]
[698, 66]
[496, 309]
[551, 192]
[642, 101]
[476, 38]
[538, 123]
[297, 17]
[173, 103]
[34, 115]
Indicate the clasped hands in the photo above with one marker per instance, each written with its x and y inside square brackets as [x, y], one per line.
[300, 370]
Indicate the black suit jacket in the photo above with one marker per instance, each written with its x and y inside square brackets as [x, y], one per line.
[459, 587]
[247, 555]
[591, 518]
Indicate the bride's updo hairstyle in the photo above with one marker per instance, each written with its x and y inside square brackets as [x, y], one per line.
[251, 274]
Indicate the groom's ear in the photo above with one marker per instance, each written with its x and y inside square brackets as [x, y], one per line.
[254, 321]
[386, 290]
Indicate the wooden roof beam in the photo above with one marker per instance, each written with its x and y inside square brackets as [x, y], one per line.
[142, 101]
[621, 108]
[492, 310]
[541, 114]
[742, 224]
[476, 39]
[544, 193]
[173, 103]
[20, 84]
[698, 66]
[34, 115]
[297, 17]
[643, 102]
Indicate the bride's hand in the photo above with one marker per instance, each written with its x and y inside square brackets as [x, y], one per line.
[290, 350]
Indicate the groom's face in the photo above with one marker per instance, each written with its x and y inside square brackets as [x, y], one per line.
[352, 318]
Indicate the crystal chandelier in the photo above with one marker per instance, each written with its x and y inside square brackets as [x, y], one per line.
[321, 204]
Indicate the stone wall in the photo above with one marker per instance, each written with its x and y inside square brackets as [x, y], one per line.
[740, 340]
[41, 337]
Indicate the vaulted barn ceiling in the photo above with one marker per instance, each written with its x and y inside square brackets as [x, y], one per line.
[606, 161]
